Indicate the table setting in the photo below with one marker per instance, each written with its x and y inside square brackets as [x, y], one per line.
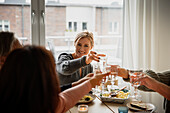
[108, 97]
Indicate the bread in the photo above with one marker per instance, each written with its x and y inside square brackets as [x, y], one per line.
[139, 105]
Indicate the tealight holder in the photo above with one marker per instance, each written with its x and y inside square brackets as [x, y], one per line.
[82, 108]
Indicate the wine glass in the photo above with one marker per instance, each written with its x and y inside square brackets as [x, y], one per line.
[134, 76]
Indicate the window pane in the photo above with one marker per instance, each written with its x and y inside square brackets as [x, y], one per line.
[6, 27]
[70, 25]
[16, 18]
[75, 26]
[62, 25]
[0, 27]
[84, 26]
[110, 27]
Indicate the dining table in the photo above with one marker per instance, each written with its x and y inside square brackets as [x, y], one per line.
[96, 106]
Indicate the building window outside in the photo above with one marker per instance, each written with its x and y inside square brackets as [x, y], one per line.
[114, 28]
[70, 26]
[84, 26]
[110, 27]
[4, 25]
[75, 26]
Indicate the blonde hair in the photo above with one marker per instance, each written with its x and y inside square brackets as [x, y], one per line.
[84, 34]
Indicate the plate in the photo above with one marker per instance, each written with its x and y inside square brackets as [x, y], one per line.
[84, 101]
[112, 99]
[119, 98]
[149, 106]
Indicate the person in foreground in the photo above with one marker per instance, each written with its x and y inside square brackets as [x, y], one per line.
[7, 43]
[159, 82]
[73, 66]
[29, 83]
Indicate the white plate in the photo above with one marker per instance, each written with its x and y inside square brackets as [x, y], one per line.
[83, 102]
[112, 99]
[150, 107]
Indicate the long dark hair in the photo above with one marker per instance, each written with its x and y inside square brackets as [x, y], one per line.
[28, 82]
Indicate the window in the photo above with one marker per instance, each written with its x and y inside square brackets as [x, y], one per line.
[84, 26]
[16, 19]
[70, 26]
[110, 27]
[114, 28]
[75, 26]
[4, 25]
[104, 19]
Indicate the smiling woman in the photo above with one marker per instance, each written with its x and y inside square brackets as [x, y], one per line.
[74, 66]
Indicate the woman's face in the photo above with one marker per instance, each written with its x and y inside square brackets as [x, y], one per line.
[83, 46]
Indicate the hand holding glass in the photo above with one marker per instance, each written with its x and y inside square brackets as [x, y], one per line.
[134, 76]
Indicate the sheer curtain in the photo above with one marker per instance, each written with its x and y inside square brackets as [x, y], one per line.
[143, 37]
[140, 34]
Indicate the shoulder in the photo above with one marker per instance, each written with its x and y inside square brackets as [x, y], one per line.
[65, 56]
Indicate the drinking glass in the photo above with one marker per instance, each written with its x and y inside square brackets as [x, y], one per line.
[134, 76]
[103, 63]
[114, 73]
[96, 70]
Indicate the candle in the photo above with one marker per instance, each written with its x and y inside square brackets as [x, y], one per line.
[82, 108]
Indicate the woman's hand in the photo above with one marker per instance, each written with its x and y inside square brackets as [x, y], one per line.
[96, 80]
[93, 56]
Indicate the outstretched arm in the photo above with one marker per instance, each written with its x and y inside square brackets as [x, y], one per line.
[157, 86]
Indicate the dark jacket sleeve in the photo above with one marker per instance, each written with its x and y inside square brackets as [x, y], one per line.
[66, 65]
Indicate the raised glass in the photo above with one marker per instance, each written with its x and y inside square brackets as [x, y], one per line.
[134, 77]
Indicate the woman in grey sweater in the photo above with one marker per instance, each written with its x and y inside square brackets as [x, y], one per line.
[73, 66]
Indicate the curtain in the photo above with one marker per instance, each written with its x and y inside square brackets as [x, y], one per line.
[140, 34]
[142, 40]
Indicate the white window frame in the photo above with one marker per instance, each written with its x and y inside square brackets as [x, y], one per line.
[3, 23]
[38, 22]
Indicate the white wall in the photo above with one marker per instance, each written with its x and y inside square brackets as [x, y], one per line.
[163, 50]
[80, 14]
[164, 35]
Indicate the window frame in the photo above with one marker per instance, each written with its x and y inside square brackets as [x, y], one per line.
[38, 22]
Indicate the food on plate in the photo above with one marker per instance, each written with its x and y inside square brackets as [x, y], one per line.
[106, 95]
[122, 95]
[86, 98]
[139, 105]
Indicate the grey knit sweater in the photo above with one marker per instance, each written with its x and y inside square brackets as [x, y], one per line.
[68, 68]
